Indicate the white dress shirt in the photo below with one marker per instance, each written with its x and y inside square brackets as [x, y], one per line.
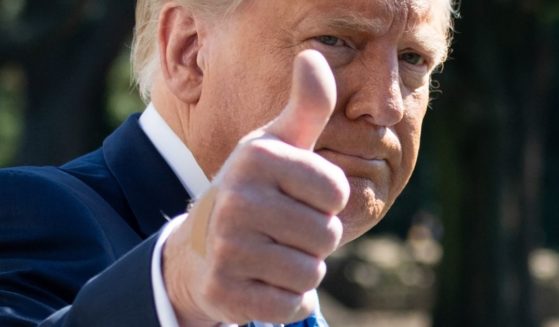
[184, 165]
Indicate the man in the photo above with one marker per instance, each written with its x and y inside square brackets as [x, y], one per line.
[301, 161]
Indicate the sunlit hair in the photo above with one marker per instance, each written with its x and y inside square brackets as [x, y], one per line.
[145, 54]
[452, 13]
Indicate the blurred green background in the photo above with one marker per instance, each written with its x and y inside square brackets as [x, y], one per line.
[472, 241]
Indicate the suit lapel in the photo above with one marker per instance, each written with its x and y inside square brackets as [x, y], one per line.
[149, 185]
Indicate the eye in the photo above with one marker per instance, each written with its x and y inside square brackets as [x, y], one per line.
[331, 41]
[413, 58]
[338, 51]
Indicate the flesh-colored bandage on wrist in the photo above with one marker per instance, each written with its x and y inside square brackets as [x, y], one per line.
[201, 213]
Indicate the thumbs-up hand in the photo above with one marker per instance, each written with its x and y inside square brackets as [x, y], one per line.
[311, 102]
[254, 246]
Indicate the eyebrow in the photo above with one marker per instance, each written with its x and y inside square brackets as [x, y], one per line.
[374, 26]
[435, 46]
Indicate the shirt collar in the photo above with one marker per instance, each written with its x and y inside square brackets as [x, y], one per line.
[174, 152]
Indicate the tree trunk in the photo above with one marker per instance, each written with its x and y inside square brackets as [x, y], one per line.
[496, 148]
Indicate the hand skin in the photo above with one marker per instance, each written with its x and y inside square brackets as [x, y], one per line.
[274, 218]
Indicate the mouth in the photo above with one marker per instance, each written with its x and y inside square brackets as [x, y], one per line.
[356, 165]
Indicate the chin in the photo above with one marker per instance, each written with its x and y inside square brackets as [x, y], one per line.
[366, 207]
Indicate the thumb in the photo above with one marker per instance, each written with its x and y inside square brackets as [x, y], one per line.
[311, 102]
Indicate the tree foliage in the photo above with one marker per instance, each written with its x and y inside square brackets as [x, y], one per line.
[488, 140]
[65, 49]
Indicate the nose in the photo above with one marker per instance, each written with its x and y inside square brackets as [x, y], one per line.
[378, 98]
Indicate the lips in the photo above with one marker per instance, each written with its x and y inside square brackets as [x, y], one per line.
[367, 166]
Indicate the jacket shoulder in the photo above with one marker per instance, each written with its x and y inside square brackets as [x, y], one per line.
[56, 233]
[36, 203]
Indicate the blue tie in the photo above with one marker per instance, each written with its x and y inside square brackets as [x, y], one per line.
[313, 320]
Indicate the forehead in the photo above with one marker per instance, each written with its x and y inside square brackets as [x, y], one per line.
[424, 23]
[378, 12]
[376, 15]
[421, 21]
[386, 13]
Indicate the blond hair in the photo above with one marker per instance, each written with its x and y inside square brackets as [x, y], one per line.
[145, 55]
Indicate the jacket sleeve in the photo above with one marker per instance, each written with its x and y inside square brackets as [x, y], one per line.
[60, 266]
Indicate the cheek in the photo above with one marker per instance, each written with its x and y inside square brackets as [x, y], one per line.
[261, 93]
[409, 131]
[235, 102]
[410, 138]
[272, 97]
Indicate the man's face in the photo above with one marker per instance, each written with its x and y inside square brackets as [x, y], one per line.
[381, 52]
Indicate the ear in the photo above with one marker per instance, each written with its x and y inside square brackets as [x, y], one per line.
[179, 45]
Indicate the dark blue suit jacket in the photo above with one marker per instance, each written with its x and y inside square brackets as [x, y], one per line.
[61, 226]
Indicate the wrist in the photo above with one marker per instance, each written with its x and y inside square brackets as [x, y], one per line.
[175, 269]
